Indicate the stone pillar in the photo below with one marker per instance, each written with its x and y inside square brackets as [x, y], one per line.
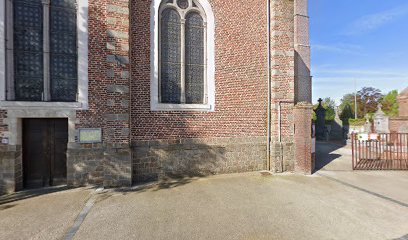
[11, 169]
[117, 152]
[282, 85]
[304, 161]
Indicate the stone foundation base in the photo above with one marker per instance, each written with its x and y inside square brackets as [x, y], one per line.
[11, 169]
[99, 164]
[153, 160]
[282, 157]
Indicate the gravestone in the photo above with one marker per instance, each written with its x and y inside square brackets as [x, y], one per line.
[320, 121]
[381, 121]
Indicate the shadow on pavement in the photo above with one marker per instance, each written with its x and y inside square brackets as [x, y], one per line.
[165, 183]
[402, 238]
[5, 199]
[324, 153]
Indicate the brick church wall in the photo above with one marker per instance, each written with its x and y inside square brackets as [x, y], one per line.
[107, 164]
[283, 85]
[231, 139]
[143, 145]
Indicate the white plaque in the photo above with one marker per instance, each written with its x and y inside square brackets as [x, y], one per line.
[90, 135]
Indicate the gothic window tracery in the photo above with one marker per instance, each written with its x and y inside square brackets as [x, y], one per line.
[182, 52]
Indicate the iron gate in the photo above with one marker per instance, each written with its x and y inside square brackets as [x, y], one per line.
[385, 151]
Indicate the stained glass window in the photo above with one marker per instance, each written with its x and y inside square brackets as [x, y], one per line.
[172, 72]
[28, 50]
[63, 48]
[194, 58]
[170, 68]
[183, 4]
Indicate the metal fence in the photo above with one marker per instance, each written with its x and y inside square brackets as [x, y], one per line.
[385, 151]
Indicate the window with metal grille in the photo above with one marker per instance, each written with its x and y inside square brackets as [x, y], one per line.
[182, 53]
[45, 56]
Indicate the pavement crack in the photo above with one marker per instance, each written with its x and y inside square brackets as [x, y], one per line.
[70, 234]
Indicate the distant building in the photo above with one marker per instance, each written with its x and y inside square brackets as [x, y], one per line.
[400, 124]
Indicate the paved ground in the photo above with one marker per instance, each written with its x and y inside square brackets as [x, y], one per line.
[40, 216]
[333, 204]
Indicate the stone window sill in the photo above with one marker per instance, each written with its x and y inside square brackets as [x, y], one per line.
[40, 105]
[183, 107]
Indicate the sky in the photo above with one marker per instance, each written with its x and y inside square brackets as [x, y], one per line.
[362, 41]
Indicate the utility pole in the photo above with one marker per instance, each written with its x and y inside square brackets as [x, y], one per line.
[355, 99]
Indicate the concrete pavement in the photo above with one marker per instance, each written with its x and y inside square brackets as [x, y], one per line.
[335, 203]
[40, 216]
[248, 207]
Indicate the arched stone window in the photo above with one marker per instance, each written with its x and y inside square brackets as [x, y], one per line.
[182, 56]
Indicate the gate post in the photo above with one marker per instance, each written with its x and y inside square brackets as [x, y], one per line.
[304, 161]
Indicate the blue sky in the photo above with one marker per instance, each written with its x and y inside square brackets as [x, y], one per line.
[362, 40]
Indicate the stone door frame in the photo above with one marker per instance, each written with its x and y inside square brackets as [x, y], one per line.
[14, 121]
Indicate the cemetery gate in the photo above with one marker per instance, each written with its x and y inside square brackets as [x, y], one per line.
[384, 151]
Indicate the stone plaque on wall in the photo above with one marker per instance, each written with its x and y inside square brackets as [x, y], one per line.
[90, 135]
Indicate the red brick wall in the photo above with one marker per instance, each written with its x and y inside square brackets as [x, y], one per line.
[399, 125]
[241, 77]
[96, 68]
[282, 60]
[102, 101]
[403, 107]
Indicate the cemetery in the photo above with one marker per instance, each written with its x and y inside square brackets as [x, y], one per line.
[378, 144]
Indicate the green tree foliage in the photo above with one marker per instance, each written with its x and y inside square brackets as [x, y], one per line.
[330, 106]
[346, 114]
[368, 99]
[367, 102]
[390, 104]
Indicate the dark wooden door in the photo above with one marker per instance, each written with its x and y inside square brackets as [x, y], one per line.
[44, 152]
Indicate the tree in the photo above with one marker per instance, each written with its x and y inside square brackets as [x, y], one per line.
[330, 106]
[390, 104]
[347, 104]
[367, 103]
[368, 99]
[346, 114]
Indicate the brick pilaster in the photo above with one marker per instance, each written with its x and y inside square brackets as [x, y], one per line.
[303, 83]
[304, 162]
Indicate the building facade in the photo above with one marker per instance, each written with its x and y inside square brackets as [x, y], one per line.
[400, 124]
[119, 92]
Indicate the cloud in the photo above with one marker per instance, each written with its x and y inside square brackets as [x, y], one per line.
[372, 22]
[383, 73]
[341, 48]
